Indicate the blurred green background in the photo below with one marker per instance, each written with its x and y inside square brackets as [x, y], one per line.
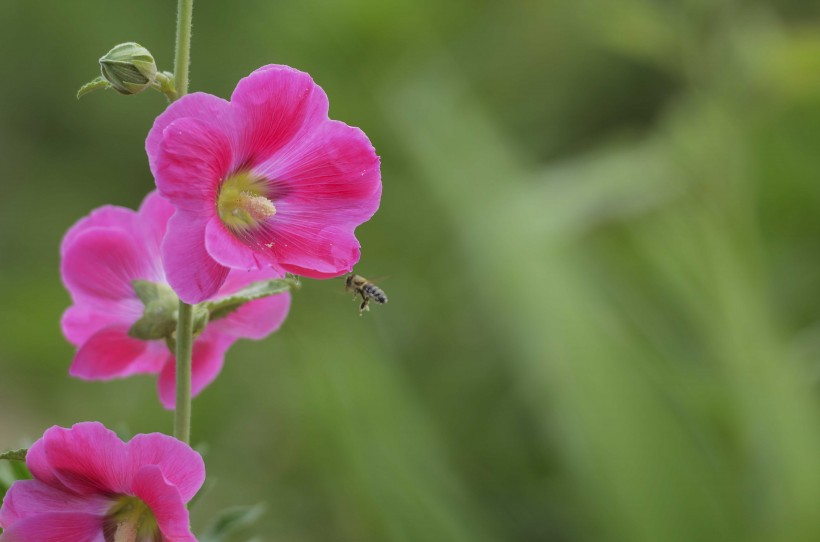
[600, 230]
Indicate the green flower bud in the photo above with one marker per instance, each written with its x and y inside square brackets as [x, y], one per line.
[129, 67]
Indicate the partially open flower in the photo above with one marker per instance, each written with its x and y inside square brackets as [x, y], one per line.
[124, 312]
[264, 181]
[91, 486]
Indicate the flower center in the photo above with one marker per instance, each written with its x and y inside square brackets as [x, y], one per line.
[242, 203]
[130, 520]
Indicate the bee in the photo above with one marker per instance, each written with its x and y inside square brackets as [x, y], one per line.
[363, 287]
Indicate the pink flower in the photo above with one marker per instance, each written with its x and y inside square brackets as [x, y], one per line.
[266, 180]
[102, 255]
[89, 486]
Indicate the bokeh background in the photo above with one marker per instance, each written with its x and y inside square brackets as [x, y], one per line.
[601, 243]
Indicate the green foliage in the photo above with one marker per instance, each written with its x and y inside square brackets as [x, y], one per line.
[231, 521]
[222, 307]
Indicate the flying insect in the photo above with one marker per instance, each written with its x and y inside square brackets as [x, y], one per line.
[367, 290]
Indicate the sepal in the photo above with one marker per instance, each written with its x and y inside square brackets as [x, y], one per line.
[219, 308]
[159, 317]
[98, 83]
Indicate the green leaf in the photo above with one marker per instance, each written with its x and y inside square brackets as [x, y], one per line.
[222, 307]
[231, 520]
[14, 455]
[95, 84]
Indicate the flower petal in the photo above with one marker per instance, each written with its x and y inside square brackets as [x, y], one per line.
[228, 250]
[334, 172]
[87, 459]
[257, 319]
[180, 464]
[191, 271]
[26, 498]
[99, 266]
[271, 108]
[194, 156]
[56, 527]
[197, 105]
[153, 216]
[208, 357]
[80, 322]
[108, 216]
[317, 253]
[165, 502]
[330, 184]
[111, 353]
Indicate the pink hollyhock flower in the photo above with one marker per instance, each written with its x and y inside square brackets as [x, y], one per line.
[102, 255]
[266, 180]
[89, 486]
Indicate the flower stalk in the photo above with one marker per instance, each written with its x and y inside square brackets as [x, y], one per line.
[185, 326]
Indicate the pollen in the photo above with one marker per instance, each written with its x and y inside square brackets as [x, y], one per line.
[243, 202]
[259, 207]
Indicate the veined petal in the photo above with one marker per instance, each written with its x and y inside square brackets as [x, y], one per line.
[271, 108]
[197, 105]
[306, 250]
[26, 498]
[56, 527]
[194, 156]
[256, 319]
[227, 249]
[193, 274]
[153, 216]
[111, 353]
[106, 217]
[87, 459]
[100, 265]
[165, 501]
[80, 322]
[180, 464]
[208, 357]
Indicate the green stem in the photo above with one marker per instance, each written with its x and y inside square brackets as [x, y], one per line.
[182, 59]
[185, 342]
[185, 325]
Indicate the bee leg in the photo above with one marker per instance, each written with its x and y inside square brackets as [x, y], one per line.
[365, 306]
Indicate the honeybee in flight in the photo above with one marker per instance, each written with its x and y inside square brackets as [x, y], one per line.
[363, 287]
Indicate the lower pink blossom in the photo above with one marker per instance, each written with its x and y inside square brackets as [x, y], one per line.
[90, 486]
[102, 256]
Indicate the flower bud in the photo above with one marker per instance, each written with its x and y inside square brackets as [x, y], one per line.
[129, 67]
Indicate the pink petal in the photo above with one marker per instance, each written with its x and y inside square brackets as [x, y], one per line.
[194, 156]
[111, 353]
[180, 464]
[109, 216]
[80, 322]
[272, 107]
[88, 459]
[257, 319]
[37, 463]
[197, 105]
[334, 172]
[100, 265]
[208, 358]
[312, 251]
[191, 271]
[56, 527]
[165, 502]
[28, 498]
[153, 216]
[331, 185]
[229, 251]
[239, 278]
